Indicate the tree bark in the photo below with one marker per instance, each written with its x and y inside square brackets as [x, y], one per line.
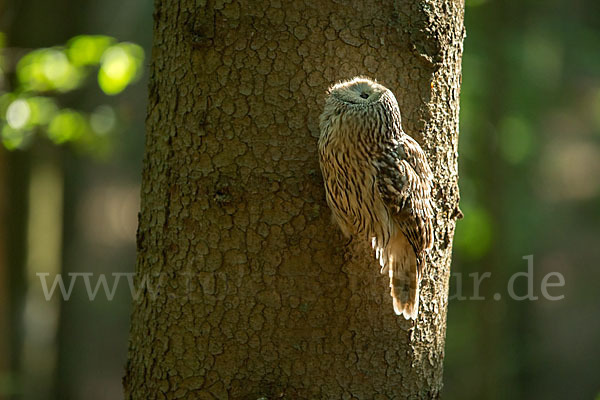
[248, 289]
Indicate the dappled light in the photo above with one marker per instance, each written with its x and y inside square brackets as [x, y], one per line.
[18, 113]
[71, 124]
[120, 66]
[46, 70]
[88, 49]
[13, 138]
[42, 109]
[45, 75]
[67, 125]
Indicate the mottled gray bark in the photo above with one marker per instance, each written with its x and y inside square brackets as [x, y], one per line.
[250, 289]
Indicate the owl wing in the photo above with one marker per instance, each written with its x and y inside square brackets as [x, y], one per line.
[404, 180]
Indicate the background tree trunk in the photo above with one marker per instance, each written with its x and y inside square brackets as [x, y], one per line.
[249, 290]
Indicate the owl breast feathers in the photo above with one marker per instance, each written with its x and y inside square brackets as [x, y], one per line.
[378, 183]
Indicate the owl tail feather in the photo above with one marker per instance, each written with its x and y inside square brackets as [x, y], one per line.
[404, 279]
[405, 296]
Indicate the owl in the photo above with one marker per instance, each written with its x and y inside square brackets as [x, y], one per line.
[378, 183]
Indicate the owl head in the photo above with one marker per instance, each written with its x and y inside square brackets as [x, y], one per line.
[361, 103]
[359, 91]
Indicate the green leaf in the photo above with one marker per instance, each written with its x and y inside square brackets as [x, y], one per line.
[121, 65]
[48, 69]
[67, 125]
[14, 138]
[88, 49]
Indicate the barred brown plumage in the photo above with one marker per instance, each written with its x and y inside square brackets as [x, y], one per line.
[378, 183]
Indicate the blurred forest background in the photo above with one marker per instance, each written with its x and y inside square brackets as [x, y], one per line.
[72, 111]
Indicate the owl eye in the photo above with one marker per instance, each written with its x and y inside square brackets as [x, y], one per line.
[364, 95]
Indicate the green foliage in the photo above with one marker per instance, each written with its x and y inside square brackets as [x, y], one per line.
[43, 76]
[121, 64]
[88, 50]
[67, 125]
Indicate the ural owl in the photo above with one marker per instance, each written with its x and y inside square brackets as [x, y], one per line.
[378, 183]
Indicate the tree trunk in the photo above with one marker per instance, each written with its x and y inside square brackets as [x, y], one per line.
[249, 290]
